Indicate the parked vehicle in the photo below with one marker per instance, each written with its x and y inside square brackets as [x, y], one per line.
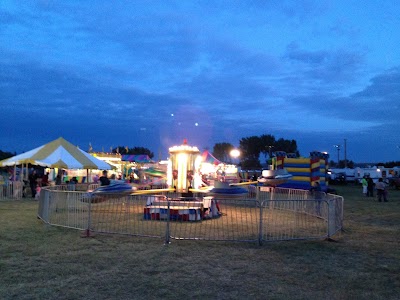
[341, 176]
[338, 178]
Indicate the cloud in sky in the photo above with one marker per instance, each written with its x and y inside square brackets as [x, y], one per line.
[150, 74]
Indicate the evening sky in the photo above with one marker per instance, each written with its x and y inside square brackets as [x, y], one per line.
[151, 73]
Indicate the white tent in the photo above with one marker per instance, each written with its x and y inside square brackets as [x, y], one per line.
[57, 154]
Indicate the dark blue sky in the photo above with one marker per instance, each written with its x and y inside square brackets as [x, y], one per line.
[151, 73]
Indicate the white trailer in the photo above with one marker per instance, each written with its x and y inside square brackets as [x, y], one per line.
[374, 172]
[358, 173]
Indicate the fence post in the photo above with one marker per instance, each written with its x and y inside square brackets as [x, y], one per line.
[331, 218]
[260, 230]
[260, 225]
[87, 231]
[44, 214]
[341, 212]
[167, 235]
[271, 203]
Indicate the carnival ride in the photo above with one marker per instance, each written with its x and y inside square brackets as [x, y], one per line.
[190, 193]
[115, 189]
[222, 190]
[182, 177]
[274, 177]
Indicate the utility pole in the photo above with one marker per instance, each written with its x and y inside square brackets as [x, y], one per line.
[270, 151]
[338, 154]
[345, 153]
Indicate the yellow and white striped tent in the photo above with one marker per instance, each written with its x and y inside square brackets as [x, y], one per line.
[57, 154]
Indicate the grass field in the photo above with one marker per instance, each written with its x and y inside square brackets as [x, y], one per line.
[38, 261]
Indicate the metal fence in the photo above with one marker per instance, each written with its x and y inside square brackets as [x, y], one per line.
[264, 214]
[12, 190]
[21, 189]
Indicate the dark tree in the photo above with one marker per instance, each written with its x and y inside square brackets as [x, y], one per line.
[221, 151]
[267, 144]
[346, 163]
[389, 164]
[250, 149]
[341, 164]
[5, 155]
[289, 146]
[133, 151]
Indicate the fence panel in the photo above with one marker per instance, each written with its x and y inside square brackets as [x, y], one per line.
[293, 219]
[12, 190]
[267, 215]
[125, 215]
[228, 220]
[67, 209]
[335, 217]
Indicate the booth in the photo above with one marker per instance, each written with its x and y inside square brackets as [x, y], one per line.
[181, 209]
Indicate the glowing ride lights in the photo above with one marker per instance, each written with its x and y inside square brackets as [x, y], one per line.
[184, 165]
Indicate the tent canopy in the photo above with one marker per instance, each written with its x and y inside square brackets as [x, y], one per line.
[57, 154]
[209, 158]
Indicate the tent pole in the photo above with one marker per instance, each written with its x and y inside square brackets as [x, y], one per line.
[21, 174]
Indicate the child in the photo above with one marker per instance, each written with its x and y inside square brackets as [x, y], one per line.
[37, 195]
[364, 184]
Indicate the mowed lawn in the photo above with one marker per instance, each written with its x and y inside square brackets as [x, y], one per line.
[38, 261]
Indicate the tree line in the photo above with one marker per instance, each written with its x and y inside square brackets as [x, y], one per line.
[5, 155]
[252, 147]
[133, 151]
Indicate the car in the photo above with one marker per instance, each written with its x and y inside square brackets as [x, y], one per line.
[338, 178]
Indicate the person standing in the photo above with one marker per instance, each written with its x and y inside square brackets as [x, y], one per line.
[58, 179]
[72, 184]
[381, 190]
[33, 182]
[364, 184]
[318, 195]
[370, 187]
[45, 179]
[104, 179]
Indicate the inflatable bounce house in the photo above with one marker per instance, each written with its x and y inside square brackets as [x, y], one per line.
[306, 171]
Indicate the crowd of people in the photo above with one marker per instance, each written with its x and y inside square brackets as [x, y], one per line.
[368, 188]
[36, 182]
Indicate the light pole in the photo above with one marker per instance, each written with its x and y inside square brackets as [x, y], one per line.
[270, 151]
[338, 153]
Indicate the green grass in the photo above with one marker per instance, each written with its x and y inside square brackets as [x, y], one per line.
[38, 261]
